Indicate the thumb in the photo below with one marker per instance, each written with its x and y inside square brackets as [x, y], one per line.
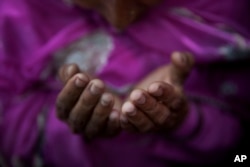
[180, 66]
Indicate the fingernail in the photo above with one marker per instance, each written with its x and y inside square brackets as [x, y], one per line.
[106, 99]
[129, 109]
[95, 90]
[80, 81]
[157, 90]
[139, 97]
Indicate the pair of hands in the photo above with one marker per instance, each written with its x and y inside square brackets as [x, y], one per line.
[157, 103]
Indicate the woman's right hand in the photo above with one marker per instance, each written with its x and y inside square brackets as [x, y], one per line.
[86, 105]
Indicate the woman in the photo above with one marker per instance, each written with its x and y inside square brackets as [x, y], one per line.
[38, 38]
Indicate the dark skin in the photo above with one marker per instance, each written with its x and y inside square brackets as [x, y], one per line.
[157, 103]
[86, 105]
[119, 13]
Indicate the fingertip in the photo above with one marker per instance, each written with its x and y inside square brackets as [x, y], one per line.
[71, 70]
[184, 60]
[61, 72]
[113, 125]
[138, 96]
[114, 116]
[155, 89]
[178, 59]
[126, 124]
[128, 109]
[180, 66]
[67, 71]
[81, 80]
[123, 119]
[160, 89]
[97, 86]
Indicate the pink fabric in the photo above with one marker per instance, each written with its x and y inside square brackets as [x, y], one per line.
[217, 33]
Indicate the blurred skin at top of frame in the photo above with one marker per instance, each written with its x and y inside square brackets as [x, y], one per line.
[119, 13]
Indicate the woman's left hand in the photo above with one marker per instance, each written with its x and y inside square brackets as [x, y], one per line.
[158, 103]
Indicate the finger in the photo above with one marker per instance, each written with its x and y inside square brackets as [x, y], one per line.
[162, 92]
[67, 71]
[113, 125]
[156, 111]
[69, 95]
[180, 67]
[137, 118]
[83, 110]
[100, 116]
[117, 104]
[125, 124]
[168, 95]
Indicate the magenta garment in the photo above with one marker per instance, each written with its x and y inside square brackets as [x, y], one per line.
[216, 32]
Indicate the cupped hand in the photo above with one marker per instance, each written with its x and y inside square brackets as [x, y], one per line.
[158, 103]
[86, 105]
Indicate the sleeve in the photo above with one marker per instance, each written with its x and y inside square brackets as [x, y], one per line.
[207, 134]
